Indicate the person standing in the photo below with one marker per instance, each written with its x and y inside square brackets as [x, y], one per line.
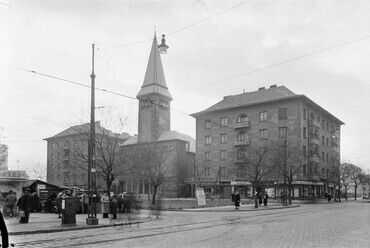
[105, 205]
[237, 200]
[26, 206]
[114, 207]
[10, 201]
[260, 198]
[266, 196]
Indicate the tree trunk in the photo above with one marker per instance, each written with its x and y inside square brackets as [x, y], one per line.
[154, 194]
[355, 193]
[290, 193]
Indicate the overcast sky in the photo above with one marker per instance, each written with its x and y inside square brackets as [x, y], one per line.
[317, 48]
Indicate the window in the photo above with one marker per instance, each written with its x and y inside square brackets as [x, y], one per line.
[208, 124]
[304, 151]
[242, 118]
[223, 138]
[263, 116]
[223, 122]
[241, 136]
[208, 140]
[207, 171]
[327, 126]
[263, 133]
[304, 132]
[322, 156]
[327, 142]
[323, 140]
[304, 114]
[327, 158]
[241, 154]
[223, 155]
[222, 171]
[52, 156]
[207, 155]
[304, 170]
[283, 132]
[187, 146]
[283, 114]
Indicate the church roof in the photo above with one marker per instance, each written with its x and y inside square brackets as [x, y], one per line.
[154, 81]
[166, 136]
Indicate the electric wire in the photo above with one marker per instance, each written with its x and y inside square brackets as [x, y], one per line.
[178, 30]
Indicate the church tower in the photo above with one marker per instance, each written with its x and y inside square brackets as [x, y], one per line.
[154, 99]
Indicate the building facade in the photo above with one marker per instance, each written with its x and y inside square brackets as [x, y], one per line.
[172, 153]
[67, 154]
[233, 127]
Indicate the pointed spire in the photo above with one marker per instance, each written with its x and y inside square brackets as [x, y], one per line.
[154, 81]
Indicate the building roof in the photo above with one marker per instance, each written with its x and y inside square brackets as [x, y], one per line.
[166, 136]
[272, 94]
[154, 81]
[85, 128]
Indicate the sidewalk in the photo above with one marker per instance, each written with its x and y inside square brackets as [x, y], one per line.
[49, 222]
[243, 207]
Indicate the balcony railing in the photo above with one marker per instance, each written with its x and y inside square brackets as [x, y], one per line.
[314, 177]
[314, 139]
[242, 142]
[315, 123]
[244, 124]
[315, 158]
[239, 160]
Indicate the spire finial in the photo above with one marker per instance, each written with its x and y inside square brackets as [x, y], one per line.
[163, 47]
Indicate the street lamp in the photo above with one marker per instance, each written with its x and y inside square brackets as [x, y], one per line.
[92, 219]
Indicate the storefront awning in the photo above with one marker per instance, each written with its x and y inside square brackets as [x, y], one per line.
[307, 183]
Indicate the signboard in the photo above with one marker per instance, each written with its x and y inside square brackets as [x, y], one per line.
[201, 197]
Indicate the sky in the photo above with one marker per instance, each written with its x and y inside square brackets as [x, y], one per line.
[319, 48]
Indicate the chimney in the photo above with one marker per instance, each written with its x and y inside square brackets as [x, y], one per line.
[273, 86]
[261, 88]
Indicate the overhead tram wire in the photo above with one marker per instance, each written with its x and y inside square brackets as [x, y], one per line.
[279, 63]
[178, 30]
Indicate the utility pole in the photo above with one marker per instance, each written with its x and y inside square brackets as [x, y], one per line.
[92, 219]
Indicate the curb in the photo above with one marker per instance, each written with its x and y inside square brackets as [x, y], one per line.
[76, 228]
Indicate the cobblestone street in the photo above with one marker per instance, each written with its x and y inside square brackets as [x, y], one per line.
[311, 225]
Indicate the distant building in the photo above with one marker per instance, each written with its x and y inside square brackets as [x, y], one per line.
[67, 155]
[13, 180]
[230, 128]
[154, 132]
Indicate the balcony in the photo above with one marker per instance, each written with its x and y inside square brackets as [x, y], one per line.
[314, 139]
[239, 160]
[243, 142]
[315, 158]
[335, 134]
[244, 124]
[315, 123]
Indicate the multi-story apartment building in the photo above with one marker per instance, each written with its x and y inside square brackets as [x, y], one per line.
[170, 148]
[238, 123]
[67, 154]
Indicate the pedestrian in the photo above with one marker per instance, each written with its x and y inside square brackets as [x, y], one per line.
[10, 201]
[26, 206]
[120, 203]
[329, 198]
[105, 205]
[84, 199]
[59, 200]
[237, 200]
[260, 198]
[265, 199]
[35, 202]
[114, 207]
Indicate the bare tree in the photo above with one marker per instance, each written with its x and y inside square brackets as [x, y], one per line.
[109, 158]
[345, 178]
[288, 160]
[256, 168]
[334, 177]
[154, 164]
[3, 156]
[355, 174]
[35, 169]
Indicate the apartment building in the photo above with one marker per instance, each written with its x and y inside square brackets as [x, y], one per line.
[231, 128]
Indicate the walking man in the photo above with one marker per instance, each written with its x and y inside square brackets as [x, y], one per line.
[26, 206]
